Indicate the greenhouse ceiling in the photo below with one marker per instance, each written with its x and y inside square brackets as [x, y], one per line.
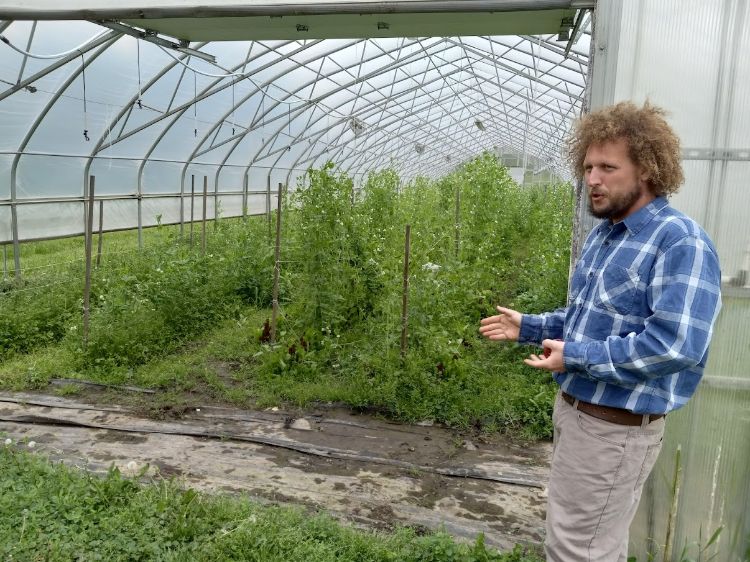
[80, 96]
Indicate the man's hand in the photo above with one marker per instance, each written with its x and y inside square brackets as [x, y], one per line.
[552, 361]
[505, 326]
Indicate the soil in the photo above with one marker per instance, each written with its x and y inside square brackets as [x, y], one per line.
[358, 467]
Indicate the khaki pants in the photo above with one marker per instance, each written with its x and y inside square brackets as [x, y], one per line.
[597, 476]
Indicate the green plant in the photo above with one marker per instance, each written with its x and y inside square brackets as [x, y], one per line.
[55, 513]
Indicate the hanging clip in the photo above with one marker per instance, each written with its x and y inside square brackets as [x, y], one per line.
[140, 103]
[86, 134]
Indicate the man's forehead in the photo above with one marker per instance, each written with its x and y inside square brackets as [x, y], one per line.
[613, 147]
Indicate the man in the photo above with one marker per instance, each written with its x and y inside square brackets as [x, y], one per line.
[632, 344]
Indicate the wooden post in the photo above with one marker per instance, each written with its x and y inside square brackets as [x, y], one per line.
[192, 206]
[276, 268]
[140, 219]
[205, 202]
[87, 284]
[216, 203]
[16, 242]
[672, 520]
[405, 298]
[101, 227]
[268, 203]
[458, 220]
[245, 183]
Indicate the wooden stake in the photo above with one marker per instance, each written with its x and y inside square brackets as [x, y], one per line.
[245, 182]
[101, 228]
[205, 202]
[405, 298]
[458, 219]
[87, 283]
[192, 206]
[268, 204]
[276, 268]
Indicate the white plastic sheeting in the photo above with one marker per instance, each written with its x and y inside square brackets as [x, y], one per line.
[144, 120]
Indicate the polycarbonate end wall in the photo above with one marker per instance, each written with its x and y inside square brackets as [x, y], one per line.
[690, 57]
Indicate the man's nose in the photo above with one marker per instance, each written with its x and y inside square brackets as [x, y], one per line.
[593, 178]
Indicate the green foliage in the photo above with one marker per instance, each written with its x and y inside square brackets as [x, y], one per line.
[51, 512]
[343, 322]
[477, 240]
[32, 315]
[168, 294]
[142, 303]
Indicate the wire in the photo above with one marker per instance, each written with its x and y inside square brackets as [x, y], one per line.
[5, 40]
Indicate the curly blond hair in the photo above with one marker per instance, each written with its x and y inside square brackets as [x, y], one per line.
[652, 143]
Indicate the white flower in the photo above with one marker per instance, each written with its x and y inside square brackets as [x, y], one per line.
[429, 266]
[9, 441]
[32, 444]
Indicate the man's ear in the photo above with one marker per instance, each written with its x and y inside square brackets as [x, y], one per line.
[645, 178]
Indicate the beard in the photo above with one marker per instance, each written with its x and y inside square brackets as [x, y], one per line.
[617, 206]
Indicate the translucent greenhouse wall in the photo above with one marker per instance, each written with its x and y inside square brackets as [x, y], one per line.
[691, 57]
[143, 123]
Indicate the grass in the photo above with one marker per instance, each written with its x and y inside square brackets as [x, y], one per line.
[55, 513]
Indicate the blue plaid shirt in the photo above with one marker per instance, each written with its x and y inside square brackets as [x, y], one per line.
[643, 300]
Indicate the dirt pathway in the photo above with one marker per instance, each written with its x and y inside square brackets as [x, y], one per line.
[362, 469]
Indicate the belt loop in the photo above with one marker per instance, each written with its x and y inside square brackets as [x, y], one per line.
[575, 404]
[645, 420]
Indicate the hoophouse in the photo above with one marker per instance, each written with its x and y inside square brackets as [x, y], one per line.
[150, 110]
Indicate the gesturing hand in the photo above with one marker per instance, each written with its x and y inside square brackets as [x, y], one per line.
[551, 359]
[505, 326]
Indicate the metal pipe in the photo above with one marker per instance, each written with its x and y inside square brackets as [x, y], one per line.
[181, 9]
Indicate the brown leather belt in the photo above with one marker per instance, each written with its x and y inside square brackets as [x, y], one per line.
[609, 413]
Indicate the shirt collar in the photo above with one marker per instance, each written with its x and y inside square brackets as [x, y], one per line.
[636, 221]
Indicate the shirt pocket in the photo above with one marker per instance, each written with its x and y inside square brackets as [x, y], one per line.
[616, 289]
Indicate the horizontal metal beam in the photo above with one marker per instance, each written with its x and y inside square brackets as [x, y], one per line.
[732, 154]
[92, 9]
[135, 159]
[156, 40]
